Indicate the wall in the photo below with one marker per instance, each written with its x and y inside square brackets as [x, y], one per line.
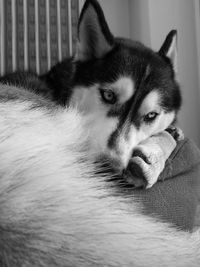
[140, 21]
[117, 15]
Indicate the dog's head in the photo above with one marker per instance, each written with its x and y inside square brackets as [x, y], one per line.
[128, 91]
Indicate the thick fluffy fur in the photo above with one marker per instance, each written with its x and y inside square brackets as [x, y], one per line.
[55, 211]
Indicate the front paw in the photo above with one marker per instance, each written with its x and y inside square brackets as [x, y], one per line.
[148, 159]
[145, 166]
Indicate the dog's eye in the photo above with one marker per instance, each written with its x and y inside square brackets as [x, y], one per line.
[108, 96]
[150, 117]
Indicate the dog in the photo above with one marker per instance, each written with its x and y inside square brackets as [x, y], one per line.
[129, 91]
[58, 205]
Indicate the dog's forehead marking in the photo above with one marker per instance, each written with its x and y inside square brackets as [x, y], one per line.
[124, 87]
[150, 103]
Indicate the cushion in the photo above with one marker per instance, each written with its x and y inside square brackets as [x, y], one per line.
[176, 197]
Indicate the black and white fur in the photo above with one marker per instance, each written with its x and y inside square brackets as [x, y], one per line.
[56, 209]
[142, 83]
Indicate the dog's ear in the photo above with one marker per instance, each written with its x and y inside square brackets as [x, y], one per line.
[169, 49]
[94, 37]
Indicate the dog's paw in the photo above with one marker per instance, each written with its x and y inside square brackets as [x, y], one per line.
[176, 132]
[148, 159]
[145, 166]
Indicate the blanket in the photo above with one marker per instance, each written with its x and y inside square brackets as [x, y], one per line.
[176, 197]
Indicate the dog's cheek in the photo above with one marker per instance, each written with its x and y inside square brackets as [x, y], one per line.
[86, 100]
[166, 118]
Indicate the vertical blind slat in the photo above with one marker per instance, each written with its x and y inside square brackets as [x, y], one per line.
[37, 54]
[25, 13]
[70, 26]
[48, 35]
[14, 37]
[59, 30]
[2, 36]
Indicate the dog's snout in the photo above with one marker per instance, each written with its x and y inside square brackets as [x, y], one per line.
[133, 174]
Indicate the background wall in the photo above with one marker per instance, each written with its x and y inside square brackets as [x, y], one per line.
[117, 15]
[180, 15]
[149, 21]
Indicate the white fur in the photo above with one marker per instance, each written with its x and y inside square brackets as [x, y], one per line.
[55, 211]
[150, 103]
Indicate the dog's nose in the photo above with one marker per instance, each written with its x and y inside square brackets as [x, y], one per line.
[133, 174]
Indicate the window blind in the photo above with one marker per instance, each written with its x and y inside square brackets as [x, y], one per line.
[36, 34]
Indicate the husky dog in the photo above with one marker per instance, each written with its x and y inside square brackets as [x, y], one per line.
[56, 208]
[128, 91]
